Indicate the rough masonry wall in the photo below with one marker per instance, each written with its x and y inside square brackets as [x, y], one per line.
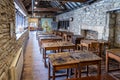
[92, 17]
[8, 43]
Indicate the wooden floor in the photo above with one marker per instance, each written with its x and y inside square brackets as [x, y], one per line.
[33, 65]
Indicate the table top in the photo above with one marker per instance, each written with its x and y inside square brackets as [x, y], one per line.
[114, 51]
[102, 41]
[50, 44]
[65, 43]
[43, 33]
[50, 37]
[72, 57]
[91, 40]
[47, 35]
[88, 41]
[57, 44]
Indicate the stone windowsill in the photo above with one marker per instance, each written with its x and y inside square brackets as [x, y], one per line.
[18, 35]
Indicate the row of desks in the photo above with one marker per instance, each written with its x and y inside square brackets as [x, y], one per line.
[58, 61]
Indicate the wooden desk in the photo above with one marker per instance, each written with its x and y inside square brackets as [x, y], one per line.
[66, 45]
[49, 46]
[99, 77]
[114, 54]
[61, 61]
[48, 39]
[86, 43]
[59, 45]
[87, 58]
[72, 60]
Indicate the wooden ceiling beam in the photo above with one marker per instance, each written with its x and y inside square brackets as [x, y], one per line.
[75, 0]
[46, 9]
[70, 0]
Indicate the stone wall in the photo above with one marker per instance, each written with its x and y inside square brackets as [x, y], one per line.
[8, 43]
[92, 17]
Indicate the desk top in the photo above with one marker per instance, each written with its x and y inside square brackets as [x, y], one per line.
[64, 58]
[57, 44]
[88, 41]
[50, 44]
[65, 43]
[47, 35]
[114, 51]
[50, 37]
[102, 41]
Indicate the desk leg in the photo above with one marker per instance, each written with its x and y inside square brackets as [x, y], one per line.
[43, 53]
[76, 69]
[45, 63]
[107, 63]
[53, 73]
[79, 71]
[67, 73]
[81, 47]
[49, 71]
[87, 69]
[99, 68]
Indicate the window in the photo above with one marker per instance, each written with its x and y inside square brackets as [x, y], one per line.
[21, 21]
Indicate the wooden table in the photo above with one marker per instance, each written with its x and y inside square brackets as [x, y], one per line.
[86, 43]
[75, 60]
[87, 58]
[61, 61]
[99, 77]
[114, 54]
[49, 46]
[59, 45]
[66, 45]
[48, 39]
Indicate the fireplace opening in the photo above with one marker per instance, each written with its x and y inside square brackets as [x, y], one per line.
[89, 34]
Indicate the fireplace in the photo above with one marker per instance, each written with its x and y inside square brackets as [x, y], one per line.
[89, 34]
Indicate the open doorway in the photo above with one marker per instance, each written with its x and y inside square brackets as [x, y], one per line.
[114, 28]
